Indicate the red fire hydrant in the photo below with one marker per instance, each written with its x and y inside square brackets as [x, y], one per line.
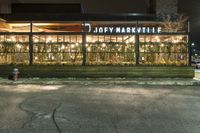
[15, 74]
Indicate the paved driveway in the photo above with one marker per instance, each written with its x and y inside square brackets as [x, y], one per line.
[99, 108]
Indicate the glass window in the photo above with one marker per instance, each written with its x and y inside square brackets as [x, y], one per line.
[163, 49]
[110, 50]
[14, 49]
[57, 49]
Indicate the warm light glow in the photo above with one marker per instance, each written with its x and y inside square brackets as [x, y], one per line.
[18, 46]
[36, 40]
[62, 47]
[77, 44]
[147, 40]
[42, 24]
[157, 39]
[132, 39]
[49, 39]
[72, 46]
[9, 40]
[88, 39]
[19, 24]
[13, 39]
[89, 49]
[162, 45]
[41, 30]
[103, 45]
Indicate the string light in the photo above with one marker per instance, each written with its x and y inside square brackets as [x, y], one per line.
[9, 40]
[36, 40]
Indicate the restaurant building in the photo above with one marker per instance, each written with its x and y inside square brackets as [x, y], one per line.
[63, 34]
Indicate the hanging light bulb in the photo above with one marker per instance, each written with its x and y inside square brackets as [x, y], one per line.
[77, 44]
[103, 45]
[89, 49]
[52, 58]
[72, 46]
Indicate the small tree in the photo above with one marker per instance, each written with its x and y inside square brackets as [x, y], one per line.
[174, 24]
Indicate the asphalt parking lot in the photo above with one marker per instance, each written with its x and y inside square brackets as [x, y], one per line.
[99, 108]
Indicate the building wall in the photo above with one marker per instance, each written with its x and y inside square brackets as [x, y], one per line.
[166, 6]
[92, 6]
[105, 6]
[5, 6]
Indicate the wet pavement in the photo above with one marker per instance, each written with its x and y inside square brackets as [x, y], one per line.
[91, 107]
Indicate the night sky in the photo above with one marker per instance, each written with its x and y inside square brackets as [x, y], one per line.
[191, 9]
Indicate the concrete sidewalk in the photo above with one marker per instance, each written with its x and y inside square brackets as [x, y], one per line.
[134, 81]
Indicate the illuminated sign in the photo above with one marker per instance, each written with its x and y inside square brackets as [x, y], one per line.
[126, 30]
[121, 29]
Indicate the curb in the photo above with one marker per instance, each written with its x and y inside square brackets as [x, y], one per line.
[170, 82]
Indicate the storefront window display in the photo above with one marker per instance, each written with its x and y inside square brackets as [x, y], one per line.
[92, 43]
[14, 49]
[163, 49]
[110, 50]
[57, 49]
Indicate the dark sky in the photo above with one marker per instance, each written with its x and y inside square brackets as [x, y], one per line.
[192, 9]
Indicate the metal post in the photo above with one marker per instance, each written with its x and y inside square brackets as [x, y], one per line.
[84, 48]
[31, 44]
[189, 50]
[137, 42]
[189, 46]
